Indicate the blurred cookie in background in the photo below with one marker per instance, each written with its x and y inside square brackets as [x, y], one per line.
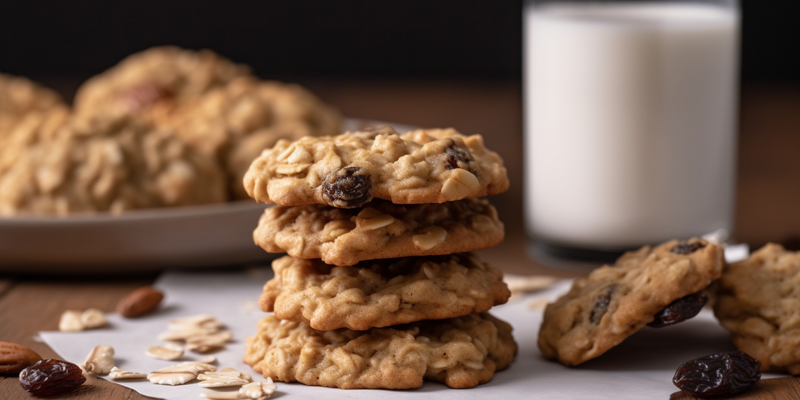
[29, 130]
[83, 164]
[237, 121]
[155, 80]
[210, 102]
[20, 97]
[164, 127]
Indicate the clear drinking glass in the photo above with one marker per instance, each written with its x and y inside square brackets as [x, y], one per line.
[630, 121]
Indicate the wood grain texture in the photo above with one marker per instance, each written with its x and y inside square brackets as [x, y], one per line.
[768, 192]
[32, 305]
[5, 285]
[766, 389]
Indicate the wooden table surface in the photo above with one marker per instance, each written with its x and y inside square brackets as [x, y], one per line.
[768, 194]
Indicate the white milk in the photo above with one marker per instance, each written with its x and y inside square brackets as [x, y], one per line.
[629, 122]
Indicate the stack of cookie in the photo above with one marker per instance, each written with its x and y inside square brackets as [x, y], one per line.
[378, 289]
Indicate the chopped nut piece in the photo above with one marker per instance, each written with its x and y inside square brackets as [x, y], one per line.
[460, 184]
[291, 169]
[369, 213]
[93, 318]
[167, 352]
[373, 222]
[16, 357]
[100, 360]
[429, 272]
[473, 364]
[258, 390]
[70, 321]
[140, 302]
[430, 239]
[298, 155]
[118, 374]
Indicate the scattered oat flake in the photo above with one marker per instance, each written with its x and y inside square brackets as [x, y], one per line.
[208, 359]
[167, 352]
[225, 377]
[537, 304]
[179, 374]
[528, 284]
[222, 395]
[119, 374]
[258, 390]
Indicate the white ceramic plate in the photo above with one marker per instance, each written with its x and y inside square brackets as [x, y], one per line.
[141, 240]
[198, 236]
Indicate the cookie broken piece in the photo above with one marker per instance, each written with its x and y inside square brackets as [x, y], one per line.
[461, 352]
[382, 292]
[613, 302]
[349, 170]
[758, 302]
[379, 230]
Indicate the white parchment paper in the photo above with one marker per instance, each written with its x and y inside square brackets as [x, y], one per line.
[640, 368]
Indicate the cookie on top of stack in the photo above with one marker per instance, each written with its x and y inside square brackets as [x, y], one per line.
[378, 289]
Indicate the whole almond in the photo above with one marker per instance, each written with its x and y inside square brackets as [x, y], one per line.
[16, 357]
[139, 302]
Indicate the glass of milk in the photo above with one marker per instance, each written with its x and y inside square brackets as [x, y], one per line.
[630, 122]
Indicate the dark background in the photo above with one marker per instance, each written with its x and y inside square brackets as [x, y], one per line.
[346, 38]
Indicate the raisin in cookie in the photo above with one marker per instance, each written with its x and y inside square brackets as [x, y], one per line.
[379, 230]
[382, 292]
[20, 97]
[461, 352]
[759, 303]
[349, 170]
[153, 81]
[77, 164]
[235, 122]
[614, 302]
